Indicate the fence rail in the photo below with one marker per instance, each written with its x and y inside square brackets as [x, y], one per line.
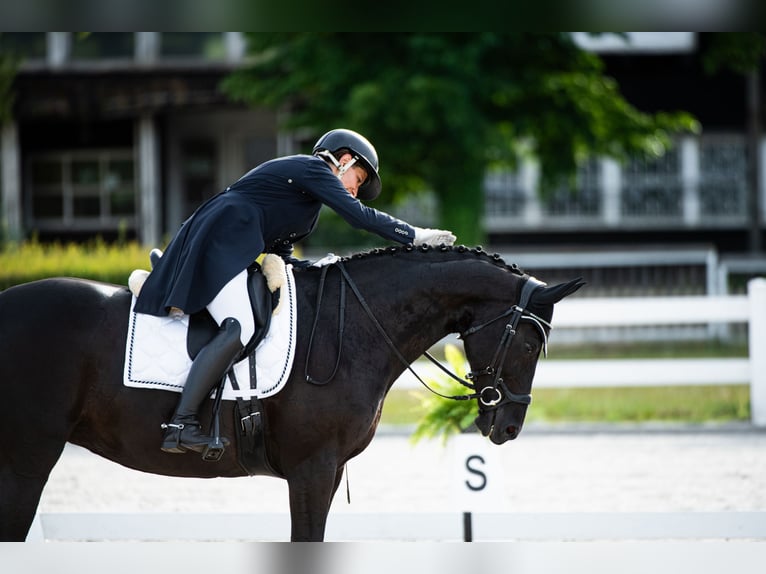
[269, 527]
[648, 311]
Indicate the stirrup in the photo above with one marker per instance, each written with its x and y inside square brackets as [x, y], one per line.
[214, 450]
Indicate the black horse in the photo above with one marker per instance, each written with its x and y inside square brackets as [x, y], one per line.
[62, 344]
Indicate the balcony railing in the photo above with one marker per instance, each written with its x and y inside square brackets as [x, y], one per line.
[699, 184]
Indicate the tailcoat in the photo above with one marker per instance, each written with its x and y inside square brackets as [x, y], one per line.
[267, 210]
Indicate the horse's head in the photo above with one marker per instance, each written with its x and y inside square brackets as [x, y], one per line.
[502, 347]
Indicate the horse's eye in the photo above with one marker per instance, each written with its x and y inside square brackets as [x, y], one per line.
[531, 348]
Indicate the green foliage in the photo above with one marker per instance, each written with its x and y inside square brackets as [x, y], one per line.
[29, 261]
[443, 416]
[442, 108]
[741, 52]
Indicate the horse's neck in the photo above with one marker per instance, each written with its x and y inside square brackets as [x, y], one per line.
[418, 303]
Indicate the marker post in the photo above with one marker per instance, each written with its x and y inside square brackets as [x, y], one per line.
[476, 478]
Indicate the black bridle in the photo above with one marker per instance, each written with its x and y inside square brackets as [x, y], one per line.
[490, 396]
[497, 393]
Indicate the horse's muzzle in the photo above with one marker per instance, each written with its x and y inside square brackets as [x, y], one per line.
[487, 424]
[512, 432]
[500, 435]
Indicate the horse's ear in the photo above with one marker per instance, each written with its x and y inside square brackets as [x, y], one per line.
[555, 293]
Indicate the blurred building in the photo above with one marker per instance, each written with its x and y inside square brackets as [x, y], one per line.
[123, 133]
[696, 193]
[126, 133]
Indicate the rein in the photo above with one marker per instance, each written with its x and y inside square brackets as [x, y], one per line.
[341, 327]
[346, 278]
[499, 388]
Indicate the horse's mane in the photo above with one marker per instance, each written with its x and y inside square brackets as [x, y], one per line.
[451, 252]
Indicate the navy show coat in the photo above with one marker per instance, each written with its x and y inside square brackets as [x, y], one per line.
[267, 210]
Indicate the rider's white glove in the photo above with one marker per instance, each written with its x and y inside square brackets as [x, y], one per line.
[433, 236]
[329, 259]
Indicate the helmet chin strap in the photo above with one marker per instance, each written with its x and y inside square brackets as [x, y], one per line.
[345, 167]
[342, 168]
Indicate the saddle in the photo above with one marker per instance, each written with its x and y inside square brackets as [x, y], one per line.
[249, 416]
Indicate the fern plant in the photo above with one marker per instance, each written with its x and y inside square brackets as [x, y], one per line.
[444, 417]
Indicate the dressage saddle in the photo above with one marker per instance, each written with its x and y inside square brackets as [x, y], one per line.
[249, 415]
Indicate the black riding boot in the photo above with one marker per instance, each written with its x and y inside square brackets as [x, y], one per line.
[183, 432]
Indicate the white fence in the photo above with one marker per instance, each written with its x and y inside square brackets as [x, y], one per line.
[644, 262]
[649, 311]
[270, 527]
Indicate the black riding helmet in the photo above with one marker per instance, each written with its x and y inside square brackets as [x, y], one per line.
[363, 151]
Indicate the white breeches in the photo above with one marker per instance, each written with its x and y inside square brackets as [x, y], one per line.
[233, 300]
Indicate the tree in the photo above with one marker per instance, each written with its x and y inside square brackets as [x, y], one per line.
[443, 108]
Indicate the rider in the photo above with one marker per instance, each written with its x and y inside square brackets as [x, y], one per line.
[267, 210]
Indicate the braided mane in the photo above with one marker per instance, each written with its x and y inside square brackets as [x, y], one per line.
[462, 250]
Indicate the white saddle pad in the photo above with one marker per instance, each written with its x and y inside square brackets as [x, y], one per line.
[156, 356]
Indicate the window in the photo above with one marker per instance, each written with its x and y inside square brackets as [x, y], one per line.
[723, 177]
[205, 45]
[120, 188]
[504, 194]
[103, 45]
[83, 190]
[651, 188]
[25, 45]
[584, 199]
[48, 188]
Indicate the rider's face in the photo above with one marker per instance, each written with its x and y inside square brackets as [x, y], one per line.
[354, 177]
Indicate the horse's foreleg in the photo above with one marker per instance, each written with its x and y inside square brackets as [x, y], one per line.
[19, 497]
[312, 488]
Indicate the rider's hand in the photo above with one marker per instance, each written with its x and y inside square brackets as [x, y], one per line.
[433, 236]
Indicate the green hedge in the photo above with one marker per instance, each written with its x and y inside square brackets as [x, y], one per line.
[30, 261]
